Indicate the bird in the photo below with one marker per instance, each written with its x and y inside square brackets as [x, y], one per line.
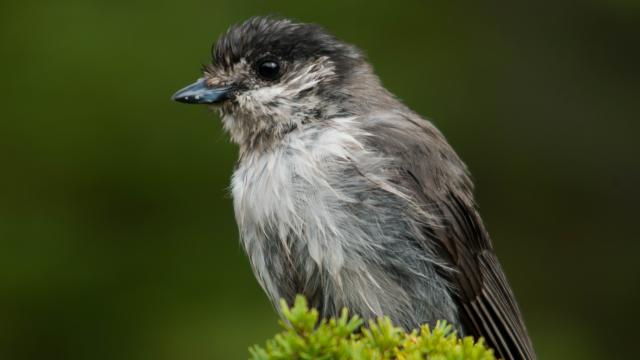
[345, 195]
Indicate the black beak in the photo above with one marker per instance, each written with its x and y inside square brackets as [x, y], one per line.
[200, 93]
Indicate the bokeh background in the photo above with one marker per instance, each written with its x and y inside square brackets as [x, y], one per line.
[117, 237]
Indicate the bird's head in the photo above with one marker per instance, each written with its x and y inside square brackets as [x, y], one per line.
[269, 76]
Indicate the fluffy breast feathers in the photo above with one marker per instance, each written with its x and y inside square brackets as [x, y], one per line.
[325, 207]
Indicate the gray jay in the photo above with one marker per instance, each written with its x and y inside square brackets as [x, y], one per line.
[345, 195]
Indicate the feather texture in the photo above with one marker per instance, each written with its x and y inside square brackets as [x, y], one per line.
[345, 195]
[487, 306]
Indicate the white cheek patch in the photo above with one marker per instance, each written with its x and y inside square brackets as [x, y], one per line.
[277, 107]
[265, 94]
[313, 74]
[304, 78]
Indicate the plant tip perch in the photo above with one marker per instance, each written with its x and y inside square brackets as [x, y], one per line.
[306, 336]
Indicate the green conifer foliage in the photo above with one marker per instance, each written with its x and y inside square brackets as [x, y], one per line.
[305, 336]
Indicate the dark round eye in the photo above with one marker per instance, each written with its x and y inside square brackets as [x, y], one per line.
[269, 69]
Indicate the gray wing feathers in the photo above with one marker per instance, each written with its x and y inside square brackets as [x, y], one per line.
[439, 180]
[497, 296]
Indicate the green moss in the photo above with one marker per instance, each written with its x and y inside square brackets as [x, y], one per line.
[305, 336]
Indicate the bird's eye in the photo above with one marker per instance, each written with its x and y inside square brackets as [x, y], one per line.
[269, 70]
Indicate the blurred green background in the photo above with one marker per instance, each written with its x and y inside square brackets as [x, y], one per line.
[117, 236]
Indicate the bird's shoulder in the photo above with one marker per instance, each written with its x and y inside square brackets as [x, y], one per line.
[419, 148]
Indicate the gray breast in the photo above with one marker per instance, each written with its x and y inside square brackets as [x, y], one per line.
[321, 215]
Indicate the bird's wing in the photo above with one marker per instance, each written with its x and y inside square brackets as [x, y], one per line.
[438, 180]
